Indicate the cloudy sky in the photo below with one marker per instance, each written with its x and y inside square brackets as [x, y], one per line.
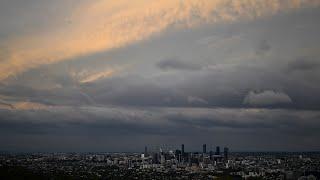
[83, 75]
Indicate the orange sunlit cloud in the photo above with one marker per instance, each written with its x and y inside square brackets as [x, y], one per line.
[97, 76]
[103, 25]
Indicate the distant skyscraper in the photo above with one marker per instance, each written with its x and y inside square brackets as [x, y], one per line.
[204, 148]
[211, 155]
[178, 155]
[218, 150]
[155, 158]
[182, 149]
[162, 159]
[146, 151]
[225, 152]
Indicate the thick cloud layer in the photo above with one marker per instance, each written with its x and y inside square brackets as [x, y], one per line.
[218, 72]
[117, 127]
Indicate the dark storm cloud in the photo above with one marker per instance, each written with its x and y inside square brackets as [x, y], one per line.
[137, 91]
[220, 87]
[163, 123]
[205, 94]
[91, 120]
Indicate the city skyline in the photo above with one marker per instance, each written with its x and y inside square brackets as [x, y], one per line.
[161, 165]
[116, 76]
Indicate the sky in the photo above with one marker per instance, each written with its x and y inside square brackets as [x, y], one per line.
[82, 75]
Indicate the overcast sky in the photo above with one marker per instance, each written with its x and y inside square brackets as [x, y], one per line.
[82, 75]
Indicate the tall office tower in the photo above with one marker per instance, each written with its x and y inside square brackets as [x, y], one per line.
[225, 152]
[162, 159]
[146, 151]
[204, 148]
[182, 149]
[155, 158]
[211, 155]
[218, 150]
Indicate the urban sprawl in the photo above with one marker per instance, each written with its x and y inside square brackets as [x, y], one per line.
[162, 163]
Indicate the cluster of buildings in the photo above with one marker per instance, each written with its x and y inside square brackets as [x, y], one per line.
[162, 163]
[180, 157]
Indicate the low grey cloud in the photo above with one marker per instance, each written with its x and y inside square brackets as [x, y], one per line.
[304, 64]
[196, 100]
[3, 53]
[263, 47]
[176, 64]
[5, 105]
[266, 97]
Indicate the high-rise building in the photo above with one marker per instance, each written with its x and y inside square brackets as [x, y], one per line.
[217, 150]
[146, 151]
[162, 159]
[204, 148]
[225, 152]
[182, 149]
[211, 155]
[155, 158]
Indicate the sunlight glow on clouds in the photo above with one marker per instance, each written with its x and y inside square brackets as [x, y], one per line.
[102, 25]
[23, 105]
[97, 76]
